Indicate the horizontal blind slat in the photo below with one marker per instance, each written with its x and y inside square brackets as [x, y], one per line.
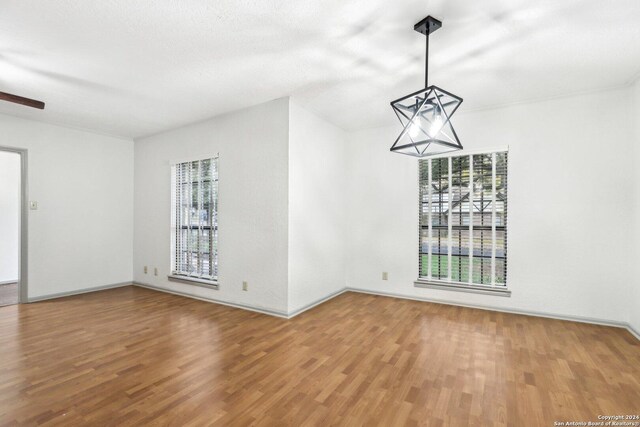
[196, 218]
[463, 218]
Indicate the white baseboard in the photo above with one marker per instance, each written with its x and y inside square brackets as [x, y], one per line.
[293, 313]
[633, 331]
[8, 282]
[580, 319]
[315, 303]
[78, 292]
[268, 311]
[262, 310]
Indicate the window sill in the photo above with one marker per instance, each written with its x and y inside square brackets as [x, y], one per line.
[209, 284]
[459, 287]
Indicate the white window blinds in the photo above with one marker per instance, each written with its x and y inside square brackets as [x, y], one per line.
[195, 219]
[463, 219]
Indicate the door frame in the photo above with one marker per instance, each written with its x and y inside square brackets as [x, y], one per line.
[23, 253]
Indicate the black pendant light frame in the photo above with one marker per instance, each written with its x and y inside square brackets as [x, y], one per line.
[414, 110]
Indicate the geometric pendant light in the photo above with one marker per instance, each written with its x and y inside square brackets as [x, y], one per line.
[425, 115]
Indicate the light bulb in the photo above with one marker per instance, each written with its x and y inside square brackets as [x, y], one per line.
[414, 130]
[436, 125]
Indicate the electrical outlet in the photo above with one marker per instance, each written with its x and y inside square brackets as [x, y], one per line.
[245, 286]
[155, 271]
[385, 275]
[145, 269]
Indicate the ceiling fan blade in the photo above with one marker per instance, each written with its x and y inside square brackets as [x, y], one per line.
[21, 100]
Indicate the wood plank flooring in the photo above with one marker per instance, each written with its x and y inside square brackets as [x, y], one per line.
[132, 356]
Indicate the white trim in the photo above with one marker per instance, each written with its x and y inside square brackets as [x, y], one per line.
[449, 156]
[209, 284]
[429, 222]
[633, 332]
[570, 318]
[194, 158]
[174, 219]
[494, 200]
[580, 319]
[8, 282]
[471, 205]
[449, 216]
[199, 208]
[79, 291]
[294, 313]
[463, 287]
[23, 253]
[461, 153]
[268, 311]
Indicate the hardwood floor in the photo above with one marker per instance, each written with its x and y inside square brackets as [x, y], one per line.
[133, 356]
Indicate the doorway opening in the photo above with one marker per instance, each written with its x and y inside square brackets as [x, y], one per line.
[12, 226]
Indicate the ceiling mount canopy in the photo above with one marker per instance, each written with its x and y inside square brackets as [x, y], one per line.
[425, 115]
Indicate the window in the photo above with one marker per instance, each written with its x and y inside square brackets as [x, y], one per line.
[463, 221]
[195, 221]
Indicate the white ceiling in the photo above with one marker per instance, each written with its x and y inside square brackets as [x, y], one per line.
[134, 68]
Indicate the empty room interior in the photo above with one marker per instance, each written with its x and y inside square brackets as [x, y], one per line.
[314, 213]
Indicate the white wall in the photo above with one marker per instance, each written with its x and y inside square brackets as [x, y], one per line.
[81, 235]
[9, 215]
[569, 206]
[306, 208]
[253, 199]
[634, 273]
[317, 169]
